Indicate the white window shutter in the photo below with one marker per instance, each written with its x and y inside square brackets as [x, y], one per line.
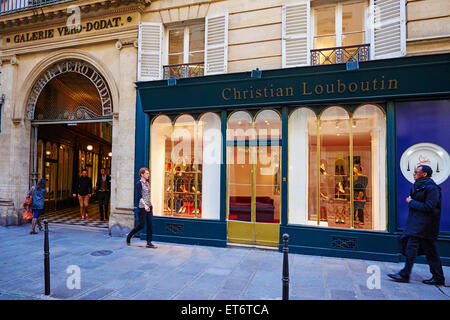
[216, 44]
[149, 51]
[296, 37]
[388, 28]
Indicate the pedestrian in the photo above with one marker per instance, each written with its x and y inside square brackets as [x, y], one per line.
[83, 189]
[422, 227]
[145, 212]
[38, 192]
[103, 188]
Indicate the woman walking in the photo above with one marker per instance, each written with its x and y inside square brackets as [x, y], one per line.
[37, 205]
[145, 207]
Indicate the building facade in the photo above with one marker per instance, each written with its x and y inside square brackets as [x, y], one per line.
[255, 118]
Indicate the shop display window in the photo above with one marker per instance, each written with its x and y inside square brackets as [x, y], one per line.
[185, 156]
[341, 158]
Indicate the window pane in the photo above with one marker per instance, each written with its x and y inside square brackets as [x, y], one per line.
[187, 190]
[324, 21]
[267, 180]
[369, 168]
[175, 58]
[302, 163]
[353, 24]
[176, 41]
[268, 125]
[196, 38]
[196, 57]
[161, 166]
[239, 182]
[240, 126]
[334, 131]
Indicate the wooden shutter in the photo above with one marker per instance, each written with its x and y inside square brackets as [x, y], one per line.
[388, 28]
[149, 51]
[216, 44]
[296, 34]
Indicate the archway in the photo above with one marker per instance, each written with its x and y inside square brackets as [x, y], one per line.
[70, 108]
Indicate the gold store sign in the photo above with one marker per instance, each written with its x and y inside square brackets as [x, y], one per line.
[86, 27]
[306, 88]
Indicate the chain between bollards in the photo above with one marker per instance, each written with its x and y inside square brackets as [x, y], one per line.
[285, 278]
[46, 259]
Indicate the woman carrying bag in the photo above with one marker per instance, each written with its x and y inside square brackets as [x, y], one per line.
[37, 205]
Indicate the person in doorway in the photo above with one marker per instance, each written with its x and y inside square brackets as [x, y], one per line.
[103, 188]
[83, 189]
[145, 213]
[422, 227]
[37, 205]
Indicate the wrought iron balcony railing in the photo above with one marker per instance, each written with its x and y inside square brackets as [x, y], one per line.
[340, 54]
[8, 6]
[186, 70]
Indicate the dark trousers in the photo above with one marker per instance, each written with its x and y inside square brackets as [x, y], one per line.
[431, 253]
[144, 217]
[103, 203]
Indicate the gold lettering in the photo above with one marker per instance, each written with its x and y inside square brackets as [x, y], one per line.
[304, 90]
[366, 88]
[318, 89]
[352, 87]
[223, 93]
[394, 81]
[289, 92]
[341, 86]
[332, 88]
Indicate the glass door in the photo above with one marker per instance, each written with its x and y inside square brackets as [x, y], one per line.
[254, 178]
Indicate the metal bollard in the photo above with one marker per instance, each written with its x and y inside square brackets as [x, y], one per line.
[285, 278]
[46, 259]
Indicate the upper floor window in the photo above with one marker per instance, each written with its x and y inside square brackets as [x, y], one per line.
[186, 44]
[339, 25]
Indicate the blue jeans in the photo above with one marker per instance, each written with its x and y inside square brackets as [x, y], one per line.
[36, 213]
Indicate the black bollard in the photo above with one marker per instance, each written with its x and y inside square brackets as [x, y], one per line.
[285, 268]
[46, 259]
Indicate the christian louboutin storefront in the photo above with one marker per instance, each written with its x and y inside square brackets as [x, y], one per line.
[322, 153]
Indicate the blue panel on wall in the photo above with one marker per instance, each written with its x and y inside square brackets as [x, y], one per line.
[418, 122]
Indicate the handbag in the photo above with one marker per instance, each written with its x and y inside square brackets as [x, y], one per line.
[27, 215]
[28, 199]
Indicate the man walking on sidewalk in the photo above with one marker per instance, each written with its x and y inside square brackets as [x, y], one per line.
[83, 189]
[422, 227]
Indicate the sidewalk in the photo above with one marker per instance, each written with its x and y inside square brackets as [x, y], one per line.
[113, 271]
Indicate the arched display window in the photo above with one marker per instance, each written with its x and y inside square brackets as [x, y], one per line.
[177, 167]
[337, 168]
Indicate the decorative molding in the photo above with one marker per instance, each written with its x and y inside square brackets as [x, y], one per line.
[126, 42]
[40, 16]
[11, 59]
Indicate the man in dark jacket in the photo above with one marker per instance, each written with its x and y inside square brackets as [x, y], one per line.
[103, 188]
[83, 189]
[422, 227]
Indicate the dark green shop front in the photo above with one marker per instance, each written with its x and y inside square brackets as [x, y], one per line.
[323, 153]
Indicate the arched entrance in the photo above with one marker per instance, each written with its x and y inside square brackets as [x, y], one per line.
[70, 108]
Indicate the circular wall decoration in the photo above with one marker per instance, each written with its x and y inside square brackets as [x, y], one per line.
[426, 154]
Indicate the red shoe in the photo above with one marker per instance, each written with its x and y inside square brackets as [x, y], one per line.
[82, 218]
[87, 217]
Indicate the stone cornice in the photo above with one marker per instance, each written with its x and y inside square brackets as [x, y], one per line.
[57, 13]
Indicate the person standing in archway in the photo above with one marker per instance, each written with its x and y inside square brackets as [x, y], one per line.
[103, 188]
[83, 189]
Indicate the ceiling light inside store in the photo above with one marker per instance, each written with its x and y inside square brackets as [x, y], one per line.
[110, 154]
[90, 147]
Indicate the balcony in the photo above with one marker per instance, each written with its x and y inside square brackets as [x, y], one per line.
[185, 70]
[8, 6]
[340, 54]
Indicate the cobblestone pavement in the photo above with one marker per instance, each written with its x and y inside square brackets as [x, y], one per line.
[111, 270]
